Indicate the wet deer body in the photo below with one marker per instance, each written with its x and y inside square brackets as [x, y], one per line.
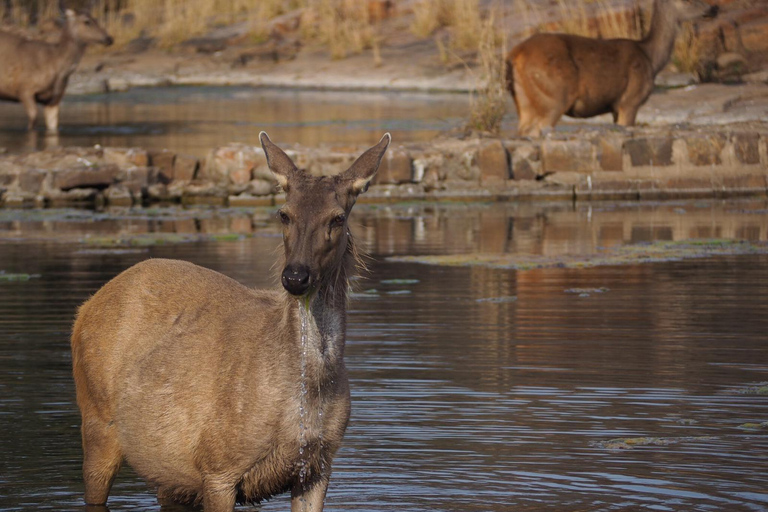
[215, 392]
[37, 71]
[550, 75]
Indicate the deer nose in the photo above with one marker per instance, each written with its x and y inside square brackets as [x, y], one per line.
[296, 279]
[712, 11]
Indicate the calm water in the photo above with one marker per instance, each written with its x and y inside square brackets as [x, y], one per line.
[196, 119]
[473, 389]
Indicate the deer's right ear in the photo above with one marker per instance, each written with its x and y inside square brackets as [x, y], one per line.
[279, 163]
[361, 173]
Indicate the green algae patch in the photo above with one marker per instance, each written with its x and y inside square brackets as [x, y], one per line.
[9, 276]
[754, 426]
[656, 252]
[628, 443]
[498, 300]
[400, 281]
[154, 239]
[759, 388]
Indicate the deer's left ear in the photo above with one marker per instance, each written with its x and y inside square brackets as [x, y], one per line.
[362, 171]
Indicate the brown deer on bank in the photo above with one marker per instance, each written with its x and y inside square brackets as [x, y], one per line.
[550, 75]
[215, 392]
[37, 71]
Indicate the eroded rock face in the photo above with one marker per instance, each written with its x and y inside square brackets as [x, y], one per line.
[585, 164]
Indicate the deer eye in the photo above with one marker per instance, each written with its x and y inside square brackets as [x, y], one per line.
[338, 221]
[284, 218]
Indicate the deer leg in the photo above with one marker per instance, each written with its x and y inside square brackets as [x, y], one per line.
[526, 126]
[102, 459]
[218, 497]
[51, 113]
[28, 101]
[310, 498]
[626, 116]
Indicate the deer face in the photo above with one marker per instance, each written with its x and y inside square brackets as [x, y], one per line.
[689, 10]
[314, 216]
[86, 29]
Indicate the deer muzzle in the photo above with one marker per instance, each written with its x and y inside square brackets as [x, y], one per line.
[296, 279]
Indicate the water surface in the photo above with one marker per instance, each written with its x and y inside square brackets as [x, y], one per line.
[195, 119]
[474, 389]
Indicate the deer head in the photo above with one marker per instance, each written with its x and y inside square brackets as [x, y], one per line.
[315, 214]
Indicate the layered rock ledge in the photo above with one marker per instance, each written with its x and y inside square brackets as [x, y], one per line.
[642, 163]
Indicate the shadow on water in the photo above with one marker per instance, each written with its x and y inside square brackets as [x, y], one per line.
[617, 387]
[196, 119]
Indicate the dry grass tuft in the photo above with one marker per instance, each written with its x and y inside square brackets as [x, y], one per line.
[489, 104]
[341, 25]
[426, 17]
[688, 49]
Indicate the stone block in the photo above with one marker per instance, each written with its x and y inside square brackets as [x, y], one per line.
[118, 195]
[330, 164]
[704, 149]
[610, 153]
[126, 157]
[754, 36]
[250, 200]
[261, 188]
[396, 167]
[163, 161]
[526, 162]
[31, 180]
[687, 187]
[493, 161]
[460, 167]
[99, 177]
[232, 164]
[185, 167]
[743, 184]
[746, 147]
[649, 152]
[568, 156]
[607, 189]
[135, 179]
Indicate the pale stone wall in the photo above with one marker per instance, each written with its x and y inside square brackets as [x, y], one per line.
[589, 164]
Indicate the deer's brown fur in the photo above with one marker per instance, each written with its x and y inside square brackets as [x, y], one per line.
[37, 71]
[550, 75]
[196, 380]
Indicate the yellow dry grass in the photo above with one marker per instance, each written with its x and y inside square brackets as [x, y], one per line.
[489, 104]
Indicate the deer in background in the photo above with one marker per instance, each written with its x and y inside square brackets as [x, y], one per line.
[217, 393]
[33, 71]
[550, 75]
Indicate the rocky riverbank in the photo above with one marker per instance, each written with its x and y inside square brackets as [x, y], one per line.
[591, 163]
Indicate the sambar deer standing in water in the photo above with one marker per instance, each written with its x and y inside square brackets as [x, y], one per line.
[33, 71]
[215, 392]
[550, 75]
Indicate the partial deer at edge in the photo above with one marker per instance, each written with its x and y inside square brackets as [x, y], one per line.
[215, 392]
[550, 75]
[37, 71]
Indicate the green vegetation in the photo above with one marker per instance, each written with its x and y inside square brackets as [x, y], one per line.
[152, 239]
[655, 252]
[628, 443]
[16, 277]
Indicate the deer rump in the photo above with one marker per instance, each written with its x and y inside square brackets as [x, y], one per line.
[578, 75]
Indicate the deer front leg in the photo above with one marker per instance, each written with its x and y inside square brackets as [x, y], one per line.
[27, 99]
[51, 113]
[309, 498]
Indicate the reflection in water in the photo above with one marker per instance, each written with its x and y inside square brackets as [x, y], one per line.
[197, 119]
[459, 402]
